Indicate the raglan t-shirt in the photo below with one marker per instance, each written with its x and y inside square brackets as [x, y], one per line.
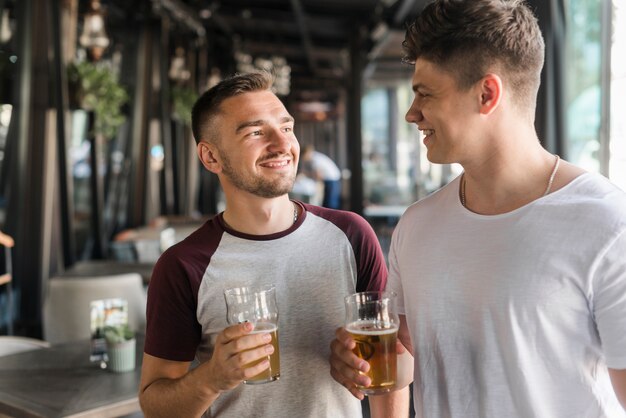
[518, 314]
[326, 255]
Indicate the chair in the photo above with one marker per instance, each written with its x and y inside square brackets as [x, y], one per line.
[12, 345]
[66, 311]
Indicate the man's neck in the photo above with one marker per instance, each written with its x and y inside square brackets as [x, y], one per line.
[260, 216]
[503, 180]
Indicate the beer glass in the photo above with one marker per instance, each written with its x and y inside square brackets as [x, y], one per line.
[258, 306]
[373, 323]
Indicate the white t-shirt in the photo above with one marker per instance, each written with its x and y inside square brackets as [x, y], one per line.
[518, 314]
[325, 166]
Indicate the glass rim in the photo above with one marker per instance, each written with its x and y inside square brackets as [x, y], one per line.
[364, 297]
[246, 290]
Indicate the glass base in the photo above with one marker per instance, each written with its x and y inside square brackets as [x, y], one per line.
[377, 391]
[259, 382]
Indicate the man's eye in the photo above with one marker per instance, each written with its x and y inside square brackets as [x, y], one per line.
[287, 129]
[255, 133]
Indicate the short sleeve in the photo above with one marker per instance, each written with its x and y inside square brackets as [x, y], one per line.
[394, 282]
[172, 330]
[371, 267]
[609, 302]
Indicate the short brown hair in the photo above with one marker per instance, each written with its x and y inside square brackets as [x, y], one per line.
[207, 106]
[468, 38]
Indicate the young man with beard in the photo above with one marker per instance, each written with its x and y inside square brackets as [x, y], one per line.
[314, 257]
[512, 278]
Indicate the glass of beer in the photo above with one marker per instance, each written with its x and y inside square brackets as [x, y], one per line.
[258, 306]
[374, 324]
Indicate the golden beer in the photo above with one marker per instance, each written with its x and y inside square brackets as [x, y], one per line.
[376, 344]
[273, 372]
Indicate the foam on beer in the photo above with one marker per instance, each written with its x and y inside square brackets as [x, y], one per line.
[372, 327]
[263, 327]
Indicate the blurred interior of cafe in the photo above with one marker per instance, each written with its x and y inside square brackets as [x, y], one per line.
[98, 168]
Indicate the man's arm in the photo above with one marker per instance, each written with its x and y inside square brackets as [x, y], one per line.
[618, 378]
[169, 384]
[168, 388]
[397, 403]
[390, 405]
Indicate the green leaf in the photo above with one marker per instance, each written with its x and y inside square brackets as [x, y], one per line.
[100, 92]
[118, 333]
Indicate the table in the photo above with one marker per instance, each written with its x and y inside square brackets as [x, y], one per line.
[384, 211]
[60, 381]
[108, 267]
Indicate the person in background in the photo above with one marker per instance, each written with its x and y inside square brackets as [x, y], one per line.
[512, 278]
[314, 256]
[322, 168]
[6, 240]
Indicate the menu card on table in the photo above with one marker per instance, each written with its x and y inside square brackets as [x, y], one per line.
[105, 312]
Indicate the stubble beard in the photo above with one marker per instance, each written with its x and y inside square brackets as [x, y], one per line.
[258, 185]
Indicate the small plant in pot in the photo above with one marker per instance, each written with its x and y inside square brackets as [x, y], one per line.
[116, 334]
[120, 341]
[95, 87]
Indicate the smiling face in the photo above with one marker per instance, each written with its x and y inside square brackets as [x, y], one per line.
[256, 150]
[443, 112]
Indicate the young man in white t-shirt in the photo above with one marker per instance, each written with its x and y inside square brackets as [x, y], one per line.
[512, 278]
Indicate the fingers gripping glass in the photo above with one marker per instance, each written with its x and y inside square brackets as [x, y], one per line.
[372, 320]
[258, 306]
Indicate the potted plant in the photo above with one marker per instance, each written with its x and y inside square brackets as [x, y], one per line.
[183, 99]
[120, 340]
[94, 87]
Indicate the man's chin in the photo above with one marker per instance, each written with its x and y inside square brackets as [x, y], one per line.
[437, 158]
[276, 190]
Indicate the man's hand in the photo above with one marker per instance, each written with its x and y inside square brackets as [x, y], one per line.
[347, 368]
[345, 365]
[235, 348]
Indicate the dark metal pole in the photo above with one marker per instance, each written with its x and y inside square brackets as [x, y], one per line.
[355, 92]
[29, 201]
[100, 247]
[169, 173]
[61, 104]
[9, 292]
[550, 113]
[138, 143]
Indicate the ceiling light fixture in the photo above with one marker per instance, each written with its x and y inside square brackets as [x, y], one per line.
[94, 38]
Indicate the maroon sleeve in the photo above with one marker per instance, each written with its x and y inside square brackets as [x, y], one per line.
[172, 328]
[371, 266]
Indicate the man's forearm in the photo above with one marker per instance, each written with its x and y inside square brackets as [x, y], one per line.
[390, 405]
[185, 396]
[618, 379]
[395, 404]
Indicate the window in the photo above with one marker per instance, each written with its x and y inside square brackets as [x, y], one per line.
[617, 161]
[588, 66]
[582, 91]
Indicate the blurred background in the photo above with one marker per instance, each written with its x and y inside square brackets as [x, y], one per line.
[98, 171]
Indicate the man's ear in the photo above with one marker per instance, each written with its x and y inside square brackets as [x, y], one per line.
[208, 155]
[491, 90]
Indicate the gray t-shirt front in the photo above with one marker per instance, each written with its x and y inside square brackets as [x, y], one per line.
[323, 257]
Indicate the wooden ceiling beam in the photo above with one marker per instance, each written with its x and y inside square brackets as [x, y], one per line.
[304, 34]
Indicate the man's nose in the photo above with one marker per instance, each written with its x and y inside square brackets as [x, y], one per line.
[414, 114]
[279, 140]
